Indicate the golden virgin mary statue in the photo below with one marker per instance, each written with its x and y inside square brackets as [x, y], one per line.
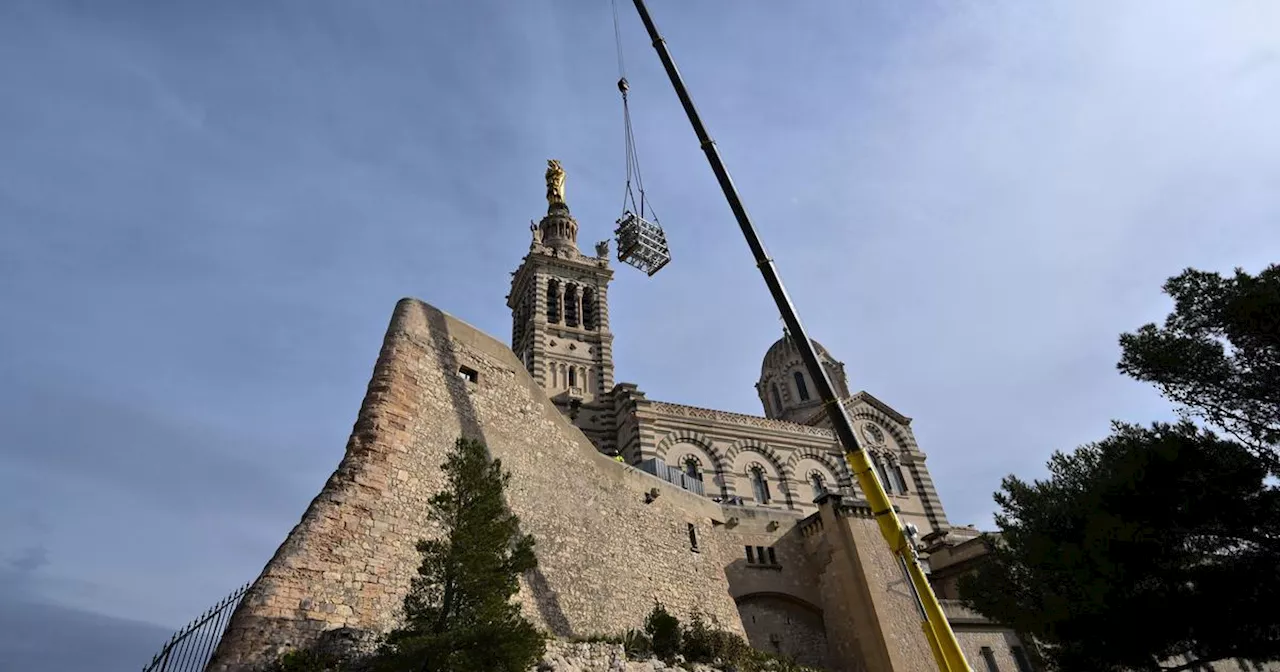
[555, 183]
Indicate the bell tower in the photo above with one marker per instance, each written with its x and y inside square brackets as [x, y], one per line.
[559, 305]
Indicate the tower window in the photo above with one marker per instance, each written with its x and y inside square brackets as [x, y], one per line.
[759, 485]
[573, 376]
[693, 538]
[751, 557]
[468, 374]
[801, 388]
[589, 317]
[553, 301]
[773, 559]
[571, 305]
[777, 398]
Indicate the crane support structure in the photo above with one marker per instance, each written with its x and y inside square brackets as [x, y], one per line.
[937, 629]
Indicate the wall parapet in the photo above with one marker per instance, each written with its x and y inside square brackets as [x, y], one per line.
[680, 410]
[957, 613]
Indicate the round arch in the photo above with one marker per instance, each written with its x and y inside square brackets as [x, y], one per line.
[882, 421]
[698, 439]
[786, 624]
[755, 446]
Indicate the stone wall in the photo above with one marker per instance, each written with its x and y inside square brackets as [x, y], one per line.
[605, 553]
[785, 627]
[868, 607]
[998, 642]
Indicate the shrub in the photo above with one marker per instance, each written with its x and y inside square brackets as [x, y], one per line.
[304, 661]
[699, 643]
[664, 632]
[636, 644]
[704, 644]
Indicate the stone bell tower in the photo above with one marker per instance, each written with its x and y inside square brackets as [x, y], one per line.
[559, 305]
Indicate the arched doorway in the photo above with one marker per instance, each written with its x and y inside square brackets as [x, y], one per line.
[785, 625]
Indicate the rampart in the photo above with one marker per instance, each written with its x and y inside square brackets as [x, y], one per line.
[606, 549]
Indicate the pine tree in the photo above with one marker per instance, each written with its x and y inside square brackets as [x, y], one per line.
[1170, 527]
[459, 616]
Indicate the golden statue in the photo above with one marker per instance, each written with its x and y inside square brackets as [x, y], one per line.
[555, 183]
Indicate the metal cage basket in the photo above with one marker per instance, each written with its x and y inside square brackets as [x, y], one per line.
[641, 243]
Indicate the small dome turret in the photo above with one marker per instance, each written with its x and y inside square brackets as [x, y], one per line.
[785, 387]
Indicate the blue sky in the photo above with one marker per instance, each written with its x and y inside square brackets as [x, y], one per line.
[208, 211]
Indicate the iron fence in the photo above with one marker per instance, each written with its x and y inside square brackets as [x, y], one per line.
[673, 475]
[190, 648]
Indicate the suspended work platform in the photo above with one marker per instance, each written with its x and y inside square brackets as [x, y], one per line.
[641, 243]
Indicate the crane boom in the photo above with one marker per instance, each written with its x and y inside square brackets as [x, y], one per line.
[942, 640]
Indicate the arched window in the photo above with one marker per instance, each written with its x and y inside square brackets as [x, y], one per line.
[899, 481]
[777, 398]
[880, 470]
[691, 468]
[573, 376]
[801, 388]
[571, 305]
[759, 484]
[589, 308]
[551, 373]
[553, 301]
[819, 486]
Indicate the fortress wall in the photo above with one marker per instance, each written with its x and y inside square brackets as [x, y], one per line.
[604, 553]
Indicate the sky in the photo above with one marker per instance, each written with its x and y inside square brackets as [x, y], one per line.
[208, 211]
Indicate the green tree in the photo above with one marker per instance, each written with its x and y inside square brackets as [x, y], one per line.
[459, 616]
[1218, 354]
[664, 632]
[1152, 543]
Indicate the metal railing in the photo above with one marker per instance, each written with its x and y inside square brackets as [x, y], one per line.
[190, 648]
[673, 475]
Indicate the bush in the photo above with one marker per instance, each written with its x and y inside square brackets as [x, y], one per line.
[597, 638]
[637, 645]
[700, 644]
[704, 644]
[304, 661]
[664, 632]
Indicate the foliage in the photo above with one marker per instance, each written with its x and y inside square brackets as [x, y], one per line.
[702, 643]
[664, 632]
[305, 661]
[1218, 354]
[1170, 527]
[636, 644]
[458, 613]
[699, 642]
[598, 639]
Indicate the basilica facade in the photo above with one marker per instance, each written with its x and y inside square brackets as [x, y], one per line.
[786, 460]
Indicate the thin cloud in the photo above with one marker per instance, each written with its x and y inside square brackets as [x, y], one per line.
[209, 211]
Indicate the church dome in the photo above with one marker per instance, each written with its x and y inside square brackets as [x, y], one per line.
[784, 351]
[786, 388]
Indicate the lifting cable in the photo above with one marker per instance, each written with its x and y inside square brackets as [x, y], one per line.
[633, 161]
